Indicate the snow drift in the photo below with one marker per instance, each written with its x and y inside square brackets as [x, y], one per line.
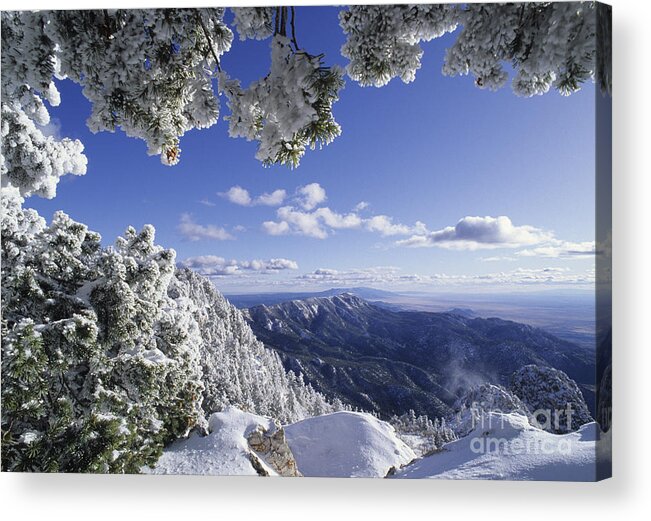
[506, 446]
[226, 450]
[346, 444]
[342, 444]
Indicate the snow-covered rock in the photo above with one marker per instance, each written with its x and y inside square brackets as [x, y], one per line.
[272, 447]
[229, 449]
[507, 446]
[346, 444]
[553, 398]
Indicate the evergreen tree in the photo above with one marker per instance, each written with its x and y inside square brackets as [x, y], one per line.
[99, 365]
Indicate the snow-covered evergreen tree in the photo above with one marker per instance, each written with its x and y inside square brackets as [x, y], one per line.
[110, 353]
[553, 398]
[98, 363]
[237, 368]
[29, 160]
[421, 433]
[481, 400]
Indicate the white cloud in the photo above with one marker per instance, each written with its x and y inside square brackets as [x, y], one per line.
[336, 220]
[238, 195]
[206, 202]
[362, 205]
[214, 266]
[520, 276]
[318, 223]
[310, 196]
[274, 198]
[392, 276]
[472, 233]
[196, 232]
[303, 223]
[561, 249]
[498, 258]
[275, 228]
[384, 225]
[372, 275]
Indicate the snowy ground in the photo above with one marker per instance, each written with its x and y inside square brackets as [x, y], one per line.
[506, 446]
[346, 444]
[342, 444]
[224, 452]
[350, 444]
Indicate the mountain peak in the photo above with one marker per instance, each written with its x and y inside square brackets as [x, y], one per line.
[392, 361]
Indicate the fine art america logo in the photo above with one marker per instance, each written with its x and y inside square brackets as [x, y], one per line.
[490, 423]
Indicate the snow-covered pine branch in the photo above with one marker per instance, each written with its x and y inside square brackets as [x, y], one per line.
[150, 71]
[289, 109]
[549, 44]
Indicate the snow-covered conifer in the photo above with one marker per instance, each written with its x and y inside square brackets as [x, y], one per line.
[553, 398]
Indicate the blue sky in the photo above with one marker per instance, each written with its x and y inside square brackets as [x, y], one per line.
[438, 160]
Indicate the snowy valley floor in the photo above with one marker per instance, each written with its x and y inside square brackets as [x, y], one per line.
[348, 444]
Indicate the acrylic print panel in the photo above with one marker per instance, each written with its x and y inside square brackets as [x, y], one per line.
[359, 241]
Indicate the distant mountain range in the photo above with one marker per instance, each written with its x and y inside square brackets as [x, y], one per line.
[256, 299]
[390, 361]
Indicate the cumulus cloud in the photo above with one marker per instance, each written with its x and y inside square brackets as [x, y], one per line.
[242, 197]
[274, 198]
[193, 231]
[275, 228]
[310, 196]
[384, 225]
[237, 195]
[214, 266]
[317, 223]
[561, 249]
[362, 205]
[321, 222]
[336, 220]
[296, 221]
[207, 202]
[472, 233]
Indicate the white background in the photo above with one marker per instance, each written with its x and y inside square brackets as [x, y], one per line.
[627, 495]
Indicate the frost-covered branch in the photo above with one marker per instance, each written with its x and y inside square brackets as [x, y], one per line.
[549, 44]
[150, 72]
[288, 110]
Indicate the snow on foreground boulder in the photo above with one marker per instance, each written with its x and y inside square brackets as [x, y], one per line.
[238, 444]
[346, 444]
[506, 446]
